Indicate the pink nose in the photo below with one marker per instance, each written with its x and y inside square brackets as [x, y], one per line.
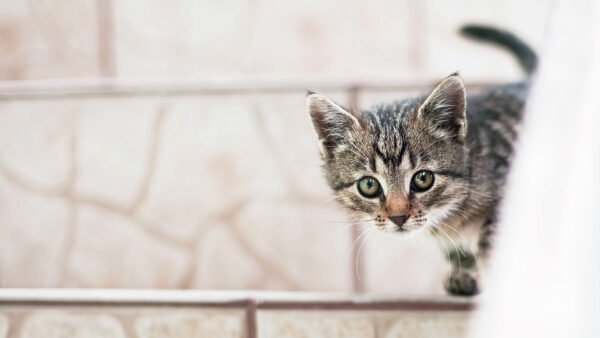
[399, 220]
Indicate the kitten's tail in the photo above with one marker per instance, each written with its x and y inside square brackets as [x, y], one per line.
[526, 56]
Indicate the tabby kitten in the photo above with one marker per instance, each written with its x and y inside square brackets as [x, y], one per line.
[435, 163]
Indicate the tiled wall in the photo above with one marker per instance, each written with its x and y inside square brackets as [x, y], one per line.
[197, 190]
[181, 192]
[155, 322]
[268, 38]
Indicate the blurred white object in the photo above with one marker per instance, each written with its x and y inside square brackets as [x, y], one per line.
[545, 277]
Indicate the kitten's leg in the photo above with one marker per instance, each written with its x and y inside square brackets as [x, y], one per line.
[486, 239]
[465, 277]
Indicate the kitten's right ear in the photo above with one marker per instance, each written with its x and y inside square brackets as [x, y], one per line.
[332, 122]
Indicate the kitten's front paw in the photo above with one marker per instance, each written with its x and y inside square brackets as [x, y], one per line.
[462, 283]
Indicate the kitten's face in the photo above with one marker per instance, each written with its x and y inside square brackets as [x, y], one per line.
[401, 167]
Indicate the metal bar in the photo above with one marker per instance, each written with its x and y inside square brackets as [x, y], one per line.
[259, 300]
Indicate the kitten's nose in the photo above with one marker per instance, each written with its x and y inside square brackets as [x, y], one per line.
[399, 219]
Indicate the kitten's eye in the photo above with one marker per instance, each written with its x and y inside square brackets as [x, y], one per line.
[369, 187]
[422, 180]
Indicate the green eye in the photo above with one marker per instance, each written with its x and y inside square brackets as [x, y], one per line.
[422, 180]
[369, 187]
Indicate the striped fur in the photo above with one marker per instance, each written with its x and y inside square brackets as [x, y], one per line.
[467, 142]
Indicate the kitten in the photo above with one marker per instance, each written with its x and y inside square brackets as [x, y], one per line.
[435, 163]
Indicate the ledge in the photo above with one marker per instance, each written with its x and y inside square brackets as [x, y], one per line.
[241, 298]
[125, 313]
[57, 88]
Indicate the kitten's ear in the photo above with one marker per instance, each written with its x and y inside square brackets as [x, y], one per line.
[446, 107]
[332, 122]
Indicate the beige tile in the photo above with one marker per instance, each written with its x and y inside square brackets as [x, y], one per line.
[425, 324]
[314, 324]
[307, 246]
[114, 148]
[217, 152]
[33, 229]
[192, 39]
[222, 263]
[286, 127]
[4, 326]
[35, 139]
[212, 158]
[177, 324]
[57, 324]
[447, 52]
[111, 250]
[393, 264]
[48, 39]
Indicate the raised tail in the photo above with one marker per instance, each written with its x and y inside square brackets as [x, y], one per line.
[525, 55]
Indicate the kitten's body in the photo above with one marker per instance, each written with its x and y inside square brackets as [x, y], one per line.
[464, 144]
[494, 117]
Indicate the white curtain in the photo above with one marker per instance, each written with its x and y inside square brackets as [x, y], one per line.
[545, 272]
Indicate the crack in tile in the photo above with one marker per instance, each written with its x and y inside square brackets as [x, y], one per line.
[267, 264]
[152, 159]
[75, 199]
[268, 142]
[70, 234]
[225, 215]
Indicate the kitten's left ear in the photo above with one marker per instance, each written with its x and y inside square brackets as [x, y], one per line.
[446, 107]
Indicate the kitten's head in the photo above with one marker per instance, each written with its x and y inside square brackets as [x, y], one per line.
[402, 166]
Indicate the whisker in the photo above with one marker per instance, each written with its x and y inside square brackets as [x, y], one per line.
[456, 247]
[460, 213]
[350, 221]
[346, 227]
[378, 234]
[478, 192]
[465, 240]
[350, 225]
[328, 200]
[357, 261]
[351, 252]
[453, 242]
[441, 243]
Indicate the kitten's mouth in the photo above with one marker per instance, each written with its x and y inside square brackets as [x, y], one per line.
[390, 227]
[403, 224]
[409, 228]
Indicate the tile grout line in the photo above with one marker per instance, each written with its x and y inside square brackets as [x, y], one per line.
[71, 229]
[105, 25]
[251, 329]
[150, 166]
[416, 37]
[21, 91]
